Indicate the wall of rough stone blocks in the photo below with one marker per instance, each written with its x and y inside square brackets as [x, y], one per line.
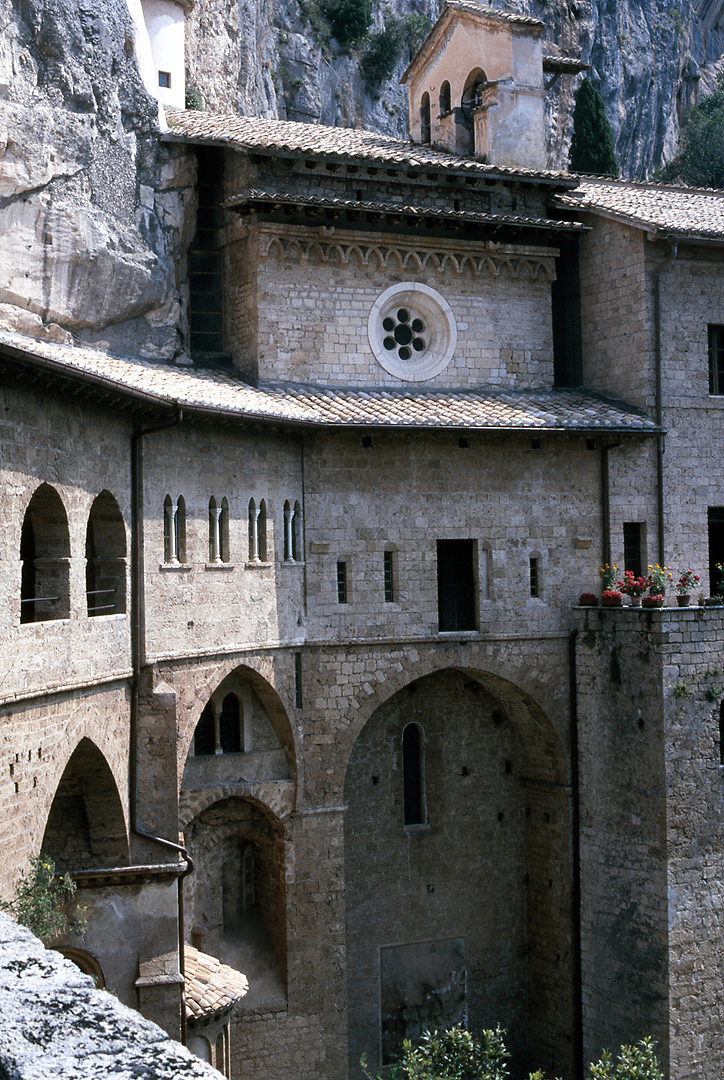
[649, 691]
[314, 294]
[615, 320]
[692, 296]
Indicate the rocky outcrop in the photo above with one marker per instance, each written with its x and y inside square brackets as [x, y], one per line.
[90, 204]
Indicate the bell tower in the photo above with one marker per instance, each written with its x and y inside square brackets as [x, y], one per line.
[476, 86]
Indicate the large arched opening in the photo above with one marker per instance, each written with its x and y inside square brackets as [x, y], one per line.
[105, 555]
[236, 899]
[457, 871]
[86, 828]
[45, 558]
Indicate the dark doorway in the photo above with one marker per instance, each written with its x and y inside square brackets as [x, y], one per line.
[456, 584]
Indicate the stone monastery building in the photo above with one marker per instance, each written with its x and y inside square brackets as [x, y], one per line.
[295, 681]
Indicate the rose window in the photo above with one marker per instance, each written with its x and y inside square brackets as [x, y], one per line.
[411, 330]
[405, 332]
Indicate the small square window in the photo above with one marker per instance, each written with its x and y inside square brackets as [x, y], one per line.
[716, 360]
[164, 79]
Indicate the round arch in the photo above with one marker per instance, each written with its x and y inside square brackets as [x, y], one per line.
[86, 827]
[45, 557]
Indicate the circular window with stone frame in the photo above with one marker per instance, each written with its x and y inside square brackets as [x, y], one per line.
[412, 332]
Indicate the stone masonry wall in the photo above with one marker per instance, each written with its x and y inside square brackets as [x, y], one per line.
[614, 314]
[650, 687]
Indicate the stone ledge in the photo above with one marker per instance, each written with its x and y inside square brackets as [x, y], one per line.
[53, 1022]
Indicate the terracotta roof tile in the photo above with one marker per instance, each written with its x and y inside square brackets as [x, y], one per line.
[225, 395]
[253, 196]
[659, 208]
[350, 145]
[210, 985]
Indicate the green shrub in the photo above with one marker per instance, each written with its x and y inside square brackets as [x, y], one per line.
[349, 19]
[386, 47]
[633, 1063]
[592, 143]
[194, 99]
[700, 160]
[41, 900]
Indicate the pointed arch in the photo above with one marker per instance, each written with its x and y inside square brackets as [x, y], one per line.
[86, 827]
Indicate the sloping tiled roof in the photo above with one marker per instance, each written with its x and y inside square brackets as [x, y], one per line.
[210, 985]
[658, 208]
[348, 145]
[474, 8]
[216, 393]
[374, 209]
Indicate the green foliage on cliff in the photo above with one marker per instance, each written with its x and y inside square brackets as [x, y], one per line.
[349, 20]
[386, 47]
[592, 144]
[700, 160]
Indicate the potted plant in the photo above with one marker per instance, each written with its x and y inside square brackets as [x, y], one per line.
[588, 599]
[688, 580]
[652, 600]
[611, 598]
[632, 586]
[656, 583]
[608, 574]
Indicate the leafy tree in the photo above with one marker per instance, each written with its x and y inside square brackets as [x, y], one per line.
[385, 47]
[633, 1063]
[700, 160]
[41, 900]
[592, 144]
[349, 19]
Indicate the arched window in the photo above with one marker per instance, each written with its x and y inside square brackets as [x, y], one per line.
[105, 557]
[174, 530]
[261, 532]
[253, 543]
[214, 531]
[288, 526]
[224, 530]
[425, 118]
[45, 555]
[205, 734]
[297, 532]
[413, 811]
[230, 725]
[445, 98]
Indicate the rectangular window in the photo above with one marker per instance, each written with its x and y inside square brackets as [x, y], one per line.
[164, 79]
[534, 580]
[633, 547]
[716, 549]
[389, 578]
[456, 587]
[716, 360]
[566, 310]
[342, 582]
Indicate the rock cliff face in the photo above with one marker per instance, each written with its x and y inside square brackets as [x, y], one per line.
[93, 209]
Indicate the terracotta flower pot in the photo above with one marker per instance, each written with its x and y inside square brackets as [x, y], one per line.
[683, 599]
[652, 601]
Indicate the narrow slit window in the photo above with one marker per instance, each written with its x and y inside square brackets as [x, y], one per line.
[389, 576]
[342, 582]
[253, 544]
[412, 780]
[425, 118]
[534, 576]
[298, 680]
[230, 725]
[288, 527]
[214, 531]
[261, 532]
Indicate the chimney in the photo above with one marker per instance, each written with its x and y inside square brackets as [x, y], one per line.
[476, 86]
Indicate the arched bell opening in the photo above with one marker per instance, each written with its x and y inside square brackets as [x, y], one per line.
[457, 872]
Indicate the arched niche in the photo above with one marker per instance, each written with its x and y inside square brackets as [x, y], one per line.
[86, 828]
[464, 915]
[45, 556]
[105, 555]
[236, 898]
[243, 701]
